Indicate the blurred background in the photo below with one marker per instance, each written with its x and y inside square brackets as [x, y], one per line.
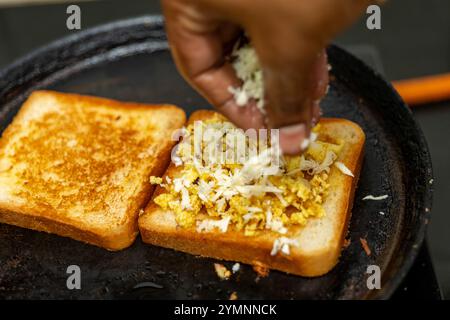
[414, 41]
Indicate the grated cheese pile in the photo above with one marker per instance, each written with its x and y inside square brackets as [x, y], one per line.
[249, 192]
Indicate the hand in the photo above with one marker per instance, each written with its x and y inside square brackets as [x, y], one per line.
[289, 37]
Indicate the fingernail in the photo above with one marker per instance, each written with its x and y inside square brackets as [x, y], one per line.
[291, 138]
[293, 130]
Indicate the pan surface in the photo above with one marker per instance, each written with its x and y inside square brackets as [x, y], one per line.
[129, 61]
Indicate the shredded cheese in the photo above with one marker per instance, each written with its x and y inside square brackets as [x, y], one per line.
[222, 272]
[312, 167]
[274, 224]
[370, 197]
[248, 69]
[185, 201]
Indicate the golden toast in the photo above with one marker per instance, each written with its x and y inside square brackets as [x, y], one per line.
[78, 166]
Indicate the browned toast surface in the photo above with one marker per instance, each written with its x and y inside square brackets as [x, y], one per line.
[78, 166]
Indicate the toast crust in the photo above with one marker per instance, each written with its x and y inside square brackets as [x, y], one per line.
[158, 226]
[105, 216]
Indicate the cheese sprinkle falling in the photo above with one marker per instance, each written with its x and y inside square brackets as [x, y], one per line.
[248, 69]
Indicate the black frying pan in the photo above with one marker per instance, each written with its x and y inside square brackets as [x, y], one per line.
[129, 61]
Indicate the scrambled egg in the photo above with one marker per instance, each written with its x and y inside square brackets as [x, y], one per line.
[250, 195]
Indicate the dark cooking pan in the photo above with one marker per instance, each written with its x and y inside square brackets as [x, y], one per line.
[129, 61]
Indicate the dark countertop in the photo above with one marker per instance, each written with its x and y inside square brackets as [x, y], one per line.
[414, 41]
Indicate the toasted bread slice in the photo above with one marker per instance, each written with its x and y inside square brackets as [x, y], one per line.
[320, 241]
[78, 166]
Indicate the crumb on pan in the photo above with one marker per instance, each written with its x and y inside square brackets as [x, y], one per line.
[249, 71]
[282, 245]
[261, 269]
[236, 267]
[371, 197]
[233, 296]
[344, 169]
[365, 246]
[222, 272]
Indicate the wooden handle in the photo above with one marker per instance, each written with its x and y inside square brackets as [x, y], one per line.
[424, 90]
